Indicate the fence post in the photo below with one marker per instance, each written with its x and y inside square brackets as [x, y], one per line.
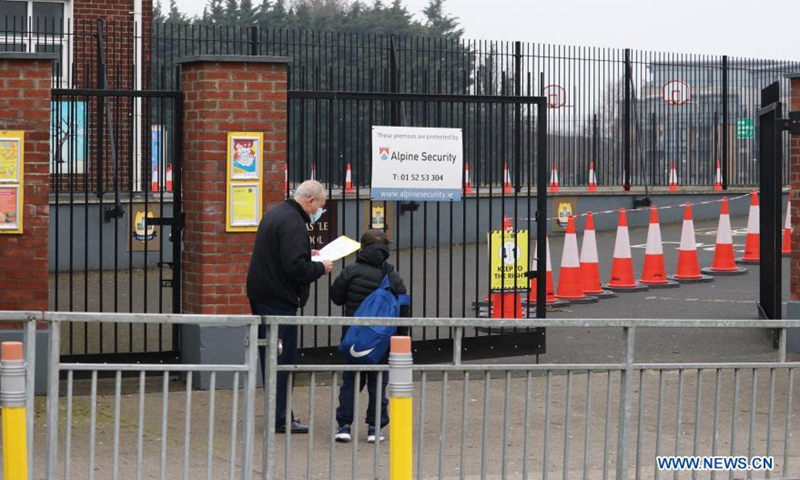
[254, 34]
[249, 412]
[518, 163]
[625, 393]
[626, 174]
[53, 364]
[400, 409]
[724, 122]
[12, 399]
[270, 356]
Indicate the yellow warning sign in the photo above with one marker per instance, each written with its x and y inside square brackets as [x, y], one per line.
[508, 251]
[564, 207]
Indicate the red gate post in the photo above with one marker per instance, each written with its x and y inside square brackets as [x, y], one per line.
[793, 305]
[25, 83]
[224, 94]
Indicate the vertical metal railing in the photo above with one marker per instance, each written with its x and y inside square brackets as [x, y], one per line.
[145, 412]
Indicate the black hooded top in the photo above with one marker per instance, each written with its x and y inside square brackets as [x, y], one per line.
[361, 278]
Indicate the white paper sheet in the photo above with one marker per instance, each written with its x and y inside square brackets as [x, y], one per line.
[337, 249]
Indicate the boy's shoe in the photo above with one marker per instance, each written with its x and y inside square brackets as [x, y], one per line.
[343, 434]
[371, 437]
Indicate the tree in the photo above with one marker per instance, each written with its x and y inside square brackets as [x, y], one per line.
[174, 14]
[440, 24]
[248, 15]
[214, 12]
[158, 14]
[231, 12]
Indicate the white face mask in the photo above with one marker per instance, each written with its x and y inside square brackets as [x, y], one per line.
[315, 216]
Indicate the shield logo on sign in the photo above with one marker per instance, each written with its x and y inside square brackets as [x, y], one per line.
[564, 211]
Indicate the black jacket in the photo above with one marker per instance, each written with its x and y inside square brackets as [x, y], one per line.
[361, 278]
[281, 269]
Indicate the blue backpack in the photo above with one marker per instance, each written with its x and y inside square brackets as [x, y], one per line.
[368, 344]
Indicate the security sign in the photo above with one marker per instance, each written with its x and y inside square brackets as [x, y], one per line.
[509, 260]
[676, 92]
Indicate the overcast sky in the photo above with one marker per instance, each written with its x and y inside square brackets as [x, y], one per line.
[742, 28]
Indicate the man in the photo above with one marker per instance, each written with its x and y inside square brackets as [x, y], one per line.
[280, 274]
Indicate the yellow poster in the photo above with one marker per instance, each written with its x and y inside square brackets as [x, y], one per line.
[244, 201]
[508, 251]
[10, 158]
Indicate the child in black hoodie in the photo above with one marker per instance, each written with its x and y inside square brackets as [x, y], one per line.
[351, 287]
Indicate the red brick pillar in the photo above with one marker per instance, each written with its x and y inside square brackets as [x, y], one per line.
[794, 159]
[225, 94]
[25, 82]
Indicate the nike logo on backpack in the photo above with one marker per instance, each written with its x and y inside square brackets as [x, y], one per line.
[356, 354]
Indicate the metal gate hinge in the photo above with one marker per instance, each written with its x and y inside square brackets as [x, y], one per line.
[792, 123]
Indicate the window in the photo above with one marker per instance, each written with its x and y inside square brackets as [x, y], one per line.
[37, 26]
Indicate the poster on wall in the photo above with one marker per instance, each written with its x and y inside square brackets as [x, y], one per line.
[68, 137]
[244, 152]
[417, 164]
[10, 159]
[244, 173]
[244, 199]
[10, 208]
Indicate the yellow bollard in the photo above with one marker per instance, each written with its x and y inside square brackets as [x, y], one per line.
[12, 398]
[400, 409]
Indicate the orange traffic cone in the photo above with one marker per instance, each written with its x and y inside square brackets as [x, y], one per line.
[724, 261]
[313, 171]
[467, 182]
[673, 178]
[348, 181]
[507, 225]
[569, 283]
[752, 247]
[590, 265]
[688, 265]
[553, 188]
[154, 179]
[550, 296]
[654, 275]
[507, 187]
[506, 305]
[718, 178]
[787, 229]
[169, 178]
[622, 279]
[592, 178]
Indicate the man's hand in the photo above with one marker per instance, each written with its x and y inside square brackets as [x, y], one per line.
[314, 253]
[328, 265]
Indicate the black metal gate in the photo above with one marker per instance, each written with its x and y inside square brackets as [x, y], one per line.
[770, 146]
[439, 248]
[115, 218]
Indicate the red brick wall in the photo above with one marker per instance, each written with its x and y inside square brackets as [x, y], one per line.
[25, 105]
[222, 97]
[795, 194]
[119, 35]
[119, 40]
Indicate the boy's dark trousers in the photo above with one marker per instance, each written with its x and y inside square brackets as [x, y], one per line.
[345, 414]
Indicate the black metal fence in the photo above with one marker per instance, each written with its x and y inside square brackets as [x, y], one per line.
[632, 113]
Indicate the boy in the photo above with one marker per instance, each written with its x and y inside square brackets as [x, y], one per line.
[350, 288]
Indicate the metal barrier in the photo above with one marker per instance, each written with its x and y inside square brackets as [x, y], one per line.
[471, 420]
